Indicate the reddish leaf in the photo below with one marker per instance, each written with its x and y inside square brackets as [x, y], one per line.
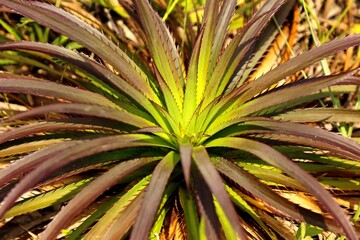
[89, 194]
[215, 184]
[153, 196]
[275, 158]
[86, 110]
[53, 90]
[58, 156]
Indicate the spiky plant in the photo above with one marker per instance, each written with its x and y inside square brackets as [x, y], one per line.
[167, 139]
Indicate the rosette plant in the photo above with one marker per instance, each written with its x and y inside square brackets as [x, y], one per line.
[167, 144]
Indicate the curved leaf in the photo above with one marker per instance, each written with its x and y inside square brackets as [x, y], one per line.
[287, 93]
[278, 160]
[296, 64]
[75, 150]
[86, 110]
[153, 196]
[214, 182]
[53, 90]
[163, 49]
[239, 50]
[281, 206]
[121, 225]
[93, 190]
[293, 133]
[81, 32]
[320, 115]
[40, 127]
[46, 199]
[89, 65]
[31, 161]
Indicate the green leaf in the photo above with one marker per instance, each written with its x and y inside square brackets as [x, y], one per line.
[153, 196]
[214, 182]
[89, 194]
[307, 230]
[238, 201]
[11, 30]
[191, 218]
[226, 225]
[74, 234]
[163, 209]
[118, 209]
[208, 25]
[122, 224]
[239, 50]
[191, 84]
[163, 49]
[46, 199]
[222, 25]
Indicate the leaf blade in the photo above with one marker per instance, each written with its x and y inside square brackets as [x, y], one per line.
[278, 160]
[210, 175]
[153, 195]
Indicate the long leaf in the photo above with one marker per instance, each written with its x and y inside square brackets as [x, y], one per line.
[40, 127]
[275, 100]
[214, 181]
[186, 159]
[86, 110]
[163, 49]
[264, 41]
[246, 207]
[288, 93]
[30, 161]
[206, 206]
[191, 83]
[278, 204]
[93, 68]
[53, 90]
[81, 32]
[93, 190]
[77, 150]
[296, 64]
[122, 224]
[278, 160]
[153, 195]
[239, 50]
[192, 220]
[319, 138]
[300, 134]
[222, 24]
[208, 25]
[46, 199]
[320, 115]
